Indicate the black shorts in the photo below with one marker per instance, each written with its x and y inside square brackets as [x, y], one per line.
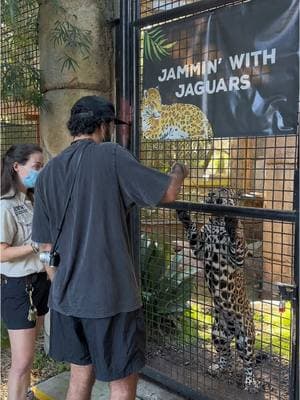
[115, 346]
[15, 299]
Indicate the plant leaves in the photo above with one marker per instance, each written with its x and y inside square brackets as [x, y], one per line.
[155, 44]
[169, 45]
[154, 33]
[166, 285]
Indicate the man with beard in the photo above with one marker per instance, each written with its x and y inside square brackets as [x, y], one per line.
[82, 200]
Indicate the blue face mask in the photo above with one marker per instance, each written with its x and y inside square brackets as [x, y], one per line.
[30, 180]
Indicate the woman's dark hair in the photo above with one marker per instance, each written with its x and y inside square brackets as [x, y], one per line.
[19, 153]
[83, 121]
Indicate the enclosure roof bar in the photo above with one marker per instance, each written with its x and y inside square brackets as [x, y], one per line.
[250, 212]
[178, 12]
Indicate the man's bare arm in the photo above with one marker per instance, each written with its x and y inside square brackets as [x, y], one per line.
[178, 173]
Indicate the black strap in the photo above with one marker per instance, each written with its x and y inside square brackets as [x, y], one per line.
[59, 229]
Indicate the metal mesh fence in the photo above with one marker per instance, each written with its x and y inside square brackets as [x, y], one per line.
[182, 311]
[150, 7]
[259, 169]
[20, 61]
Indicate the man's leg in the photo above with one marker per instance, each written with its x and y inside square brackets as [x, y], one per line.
[124, 389]
[39, 325]
[68, 343]
[81, 382]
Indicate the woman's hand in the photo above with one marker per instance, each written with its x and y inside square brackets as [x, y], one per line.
[11, 253]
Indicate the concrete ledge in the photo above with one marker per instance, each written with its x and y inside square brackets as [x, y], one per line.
[56, 389]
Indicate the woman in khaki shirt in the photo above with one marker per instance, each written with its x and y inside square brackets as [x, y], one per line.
[24, 283]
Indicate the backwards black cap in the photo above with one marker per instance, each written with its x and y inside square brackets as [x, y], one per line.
[95, 106]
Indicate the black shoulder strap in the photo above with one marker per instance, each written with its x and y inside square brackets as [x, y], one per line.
[59, 229]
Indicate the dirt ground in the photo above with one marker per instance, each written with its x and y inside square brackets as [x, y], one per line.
[189, 366]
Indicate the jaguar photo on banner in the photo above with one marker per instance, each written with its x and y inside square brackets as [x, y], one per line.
[228, 73]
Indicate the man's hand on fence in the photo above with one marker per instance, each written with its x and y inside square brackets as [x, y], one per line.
[178, 168]
[178, 173]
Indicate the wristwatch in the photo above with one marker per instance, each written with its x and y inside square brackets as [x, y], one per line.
[35, 247]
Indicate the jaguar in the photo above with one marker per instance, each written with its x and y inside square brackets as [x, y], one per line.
[220, 244]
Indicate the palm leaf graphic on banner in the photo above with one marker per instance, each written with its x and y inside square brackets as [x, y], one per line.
[156, 45]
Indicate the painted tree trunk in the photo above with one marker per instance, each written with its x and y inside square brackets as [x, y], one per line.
[63, 86]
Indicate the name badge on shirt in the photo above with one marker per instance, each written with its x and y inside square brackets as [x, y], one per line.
[22, 214]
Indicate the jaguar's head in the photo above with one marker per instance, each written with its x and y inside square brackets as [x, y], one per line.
[222, 196]
[152, 102]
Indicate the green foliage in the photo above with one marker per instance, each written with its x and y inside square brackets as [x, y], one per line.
[155, 44]
[166, 286]
[4, 336]
[21, 82]
[10, 10]
[42, 361]
[21, 77]
[273, 329]
[196, 324]
[20, 74]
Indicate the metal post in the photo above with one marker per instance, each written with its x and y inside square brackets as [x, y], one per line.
[134, 74]
[294, 379]
[123, 68]
[127, 136]
[133, 23]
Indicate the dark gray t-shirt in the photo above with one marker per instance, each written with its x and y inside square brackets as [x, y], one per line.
[96, 277]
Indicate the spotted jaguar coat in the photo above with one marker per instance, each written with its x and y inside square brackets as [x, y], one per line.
[220, 244]
[172, 121]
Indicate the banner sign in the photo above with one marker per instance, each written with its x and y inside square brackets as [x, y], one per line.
[228, 73]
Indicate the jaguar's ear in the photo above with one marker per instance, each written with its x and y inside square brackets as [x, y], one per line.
[145, 93]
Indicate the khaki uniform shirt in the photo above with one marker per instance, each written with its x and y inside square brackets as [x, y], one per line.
[16, 226]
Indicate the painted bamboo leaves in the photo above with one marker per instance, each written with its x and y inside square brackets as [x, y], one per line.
[156, 45]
